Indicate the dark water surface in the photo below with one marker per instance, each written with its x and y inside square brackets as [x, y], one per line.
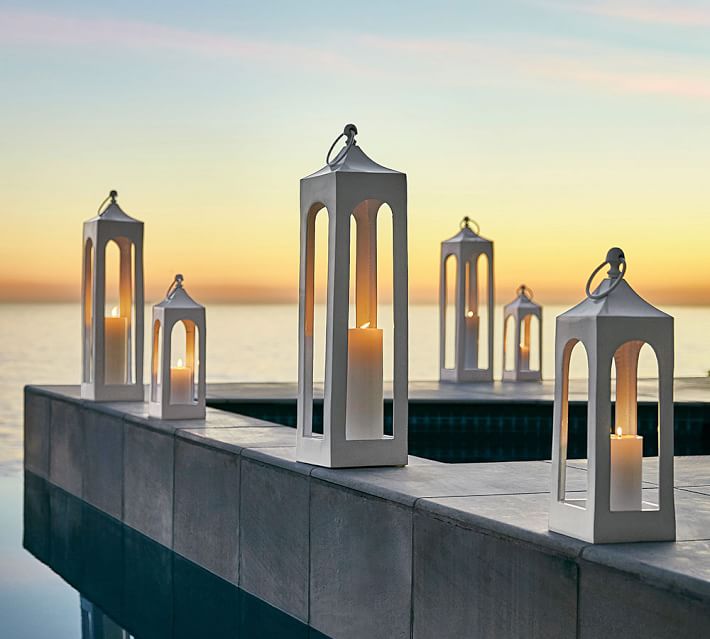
[69, 570]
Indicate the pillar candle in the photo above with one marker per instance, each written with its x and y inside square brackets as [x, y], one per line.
[471, 340]
[524, 357]
[181, 384]
[115, 341]
[625, 479]
[364, 416]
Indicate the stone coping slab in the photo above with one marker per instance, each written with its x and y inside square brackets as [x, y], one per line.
[507, 502]
[686, 390]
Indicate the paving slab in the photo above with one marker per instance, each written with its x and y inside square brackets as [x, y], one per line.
[360, 564]
[148, 483]
[237, 439]
[36, 436]
[66, 446]
[409, 483]
[471, 583]
[274, 535]
[103, 461]
[647, 612]
[206, 519]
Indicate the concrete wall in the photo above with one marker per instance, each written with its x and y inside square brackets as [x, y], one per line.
[430, 550]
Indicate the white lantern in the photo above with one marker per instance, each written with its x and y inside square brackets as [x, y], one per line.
[173, 392]
[467, 249]
[612, 324]
[112, 337]
[517, 338]
[352, 185]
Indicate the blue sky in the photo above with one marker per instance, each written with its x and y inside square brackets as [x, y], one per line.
[543, 118]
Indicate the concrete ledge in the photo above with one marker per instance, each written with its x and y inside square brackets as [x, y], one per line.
[429, 550]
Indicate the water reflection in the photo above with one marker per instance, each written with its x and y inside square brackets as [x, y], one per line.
[133, 587]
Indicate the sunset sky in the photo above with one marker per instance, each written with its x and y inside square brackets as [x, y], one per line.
[564, 128]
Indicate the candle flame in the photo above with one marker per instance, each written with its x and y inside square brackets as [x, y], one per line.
[469, 314]
[179, 363]
[619, 431]
[366, 325]
[114, 311]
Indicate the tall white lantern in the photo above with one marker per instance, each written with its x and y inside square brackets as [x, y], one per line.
[351, 185]
[112, 331]
[178, 386]
[612, 324]
[518, 338]
[467, 249]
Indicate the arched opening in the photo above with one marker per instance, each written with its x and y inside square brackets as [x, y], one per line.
[573, 417]
[156, 364]
[450, 277]
[184, 361]
[634, 430]
[119, 311]
[533, 335]
[315, 310]
[385, 299]
[88, 342]
[370, 332]
[484, 310]
[509, 343]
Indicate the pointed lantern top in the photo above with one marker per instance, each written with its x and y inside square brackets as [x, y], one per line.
[468, 234]
[613, 297]
[177, 296]
[350, 159]
[113, 212]
[523, 300]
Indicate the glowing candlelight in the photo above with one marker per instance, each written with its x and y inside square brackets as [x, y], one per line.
[364, 417]
[116, 339]
[625, 479]
[181, 384]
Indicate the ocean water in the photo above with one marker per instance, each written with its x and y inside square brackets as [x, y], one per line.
[41, 345]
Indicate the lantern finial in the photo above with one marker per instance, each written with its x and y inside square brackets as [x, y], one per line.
[349, 133]
[466, 224]
[525, 291]
[176, 284]
[112, 195]
[614, 258]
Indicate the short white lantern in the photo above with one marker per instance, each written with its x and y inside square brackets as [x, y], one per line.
[173, 392]
[112, 338]
[467, 249]
[612, 324]
[352, 185]
[518, 338]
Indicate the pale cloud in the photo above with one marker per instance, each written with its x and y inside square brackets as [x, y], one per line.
[479, 61]
[666, 13]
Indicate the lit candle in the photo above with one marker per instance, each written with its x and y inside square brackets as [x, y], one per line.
[364, 417]
[525, 357]
[626, 458]
[115, 340]
[181, 384]
[471, 341]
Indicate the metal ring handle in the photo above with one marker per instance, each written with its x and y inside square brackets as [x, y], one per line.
[176, 284]
[616, 282]
[349, 132]
[465, 223]
[525, 291]
[111, 196]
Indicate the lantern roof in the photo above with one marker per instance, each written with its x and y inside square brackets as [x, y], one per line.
[523, 300]
[614, 297]
[113, 212]
[467, 234]
[350, 159]
[177, 297]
